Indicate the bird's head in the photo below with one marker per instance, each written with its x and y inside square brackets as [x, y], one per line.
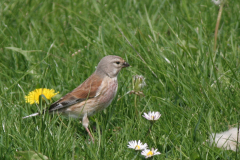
[111, 65]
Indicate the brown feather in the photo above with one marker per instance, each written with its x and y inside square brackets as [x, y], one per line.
[88, 89]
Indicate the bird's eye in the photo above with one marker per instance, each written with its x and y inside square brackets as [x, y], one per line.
[117, 62]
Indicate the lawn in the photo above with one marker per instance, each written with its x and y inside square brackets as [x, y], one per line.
[57, 45]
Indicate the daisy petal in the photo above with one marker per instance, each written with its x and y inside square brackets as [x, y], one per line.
[149, 153]
[152, 116]
[137, 145]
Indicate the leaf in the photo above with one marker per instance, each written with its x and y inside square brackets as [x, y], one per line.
[30, 155]
[195, 156]
[25, 53]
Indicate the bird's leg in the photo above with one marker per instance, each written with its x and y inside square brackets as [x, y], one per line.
[85, 123]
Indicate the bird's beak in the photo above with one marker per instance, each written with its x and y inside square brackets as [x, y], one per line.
[125, 64]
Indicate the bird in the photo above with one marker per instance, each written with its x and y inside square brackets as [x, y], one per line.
[93, 95]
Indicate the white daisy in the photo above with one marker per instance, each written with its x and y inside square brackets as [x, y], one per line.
[152, 116]
[149, 153]
[137, 145]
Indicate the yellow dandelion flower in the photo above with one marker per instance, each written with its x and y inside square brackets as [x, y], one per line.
[33, 97]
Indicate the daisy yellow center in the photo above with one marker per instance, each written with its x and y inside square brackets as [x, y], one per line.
[137, 147]
[152, 117]
[150, 153]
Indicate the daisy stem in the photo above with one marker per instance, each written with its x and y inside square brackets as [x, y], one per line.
[149, 130]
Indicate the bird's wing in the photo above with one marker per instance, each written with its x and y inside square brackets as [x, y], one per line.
[87, 90]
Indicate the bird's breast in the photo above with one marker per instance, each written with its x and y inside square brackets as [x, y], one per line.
[109, 92]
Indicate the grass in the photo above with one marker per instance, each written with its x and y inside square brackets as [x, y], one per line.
[57, 44]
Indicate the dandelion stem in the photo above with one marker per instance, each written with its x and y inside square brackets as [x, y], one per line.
[217, 26]
[135, 103]
[237, 140]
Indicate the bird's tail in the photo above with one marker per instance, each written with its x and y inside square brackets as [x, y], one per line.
[32, 115]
